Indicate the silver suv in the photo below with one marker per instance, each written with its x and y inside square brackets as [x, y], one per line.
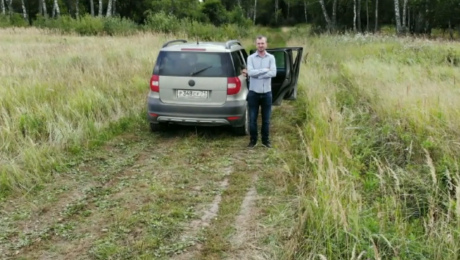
[201, 83]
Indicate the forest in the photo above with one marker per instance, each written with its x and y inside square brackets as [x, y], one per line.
[402, 16]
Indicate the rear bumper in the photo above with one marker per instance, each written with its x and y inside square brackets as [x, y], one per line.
[196, 115]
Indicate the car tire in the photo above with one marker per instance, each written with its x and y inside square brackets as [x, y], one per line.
[244, 129]
[157, 127]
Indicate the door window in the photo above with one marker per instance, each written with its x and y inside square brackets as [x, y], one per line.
[280, 59]
[245, 55]
[238, 62]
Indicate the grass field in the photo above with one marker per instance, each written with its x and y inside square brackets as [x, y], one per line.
[365, 164]
[379, 175]
[58, 92]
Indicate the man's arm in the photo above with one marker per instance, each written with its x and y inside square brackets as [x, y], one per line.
[252, 72]
[271, 72]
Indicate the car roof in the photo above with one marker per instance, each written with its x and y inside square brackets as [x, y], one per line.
[202, 46]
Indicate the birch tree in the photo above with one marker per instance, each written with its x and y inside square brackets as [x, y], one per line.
[2, 4]
[427, 22]
[288, 2]
[404, 27]
[24, 10]
[305, 10]
[45, 12]
[354, 15]
[91, 6]
[330, 22]
[326, 15]
[114, 7]
[10, 6]
[77, 9]
[255, 11]
[408, 19]
[397, 17]
[334, 14]
[56, 10]
[109, 9]
[358, 15]
[100, 8]
[376, 28]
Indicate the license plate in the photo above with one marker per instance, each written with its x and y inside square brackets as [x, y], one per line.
[192, 93]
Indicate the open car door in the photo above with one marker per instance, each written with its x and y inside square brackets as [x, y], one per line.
[284, 85]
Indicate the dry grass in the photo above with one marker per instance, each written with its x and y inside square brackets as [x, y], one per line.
[57, 92]
[380, 143]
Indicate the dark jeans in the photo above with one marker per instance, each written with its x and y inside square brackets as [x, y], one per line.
[264, 100]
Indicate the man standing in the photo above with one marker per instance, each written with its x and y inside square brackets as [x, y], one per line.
[261, 68]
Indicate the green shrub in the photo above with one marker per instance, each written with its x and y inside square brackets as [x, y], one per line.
[17, 20]
[236, 16]
[388, 30]
[215, 12]
[201, 31]
[4, 21]
[162, 22]
[234, 31]
[63, 24]
[88, 25]
[119, 26]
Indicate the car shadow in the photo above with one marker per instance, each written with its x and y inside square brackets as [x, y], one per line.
[206, 132]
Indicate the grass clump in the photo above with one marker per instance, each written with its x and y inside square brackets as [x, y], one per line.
[77, 92]
[380, 175]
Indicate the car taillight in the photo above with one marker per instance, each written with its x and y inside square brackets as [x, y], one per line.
[233, 85]
[155, 83]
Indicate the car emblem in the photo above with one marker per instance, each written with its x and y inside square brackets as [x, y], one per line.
[191, 83]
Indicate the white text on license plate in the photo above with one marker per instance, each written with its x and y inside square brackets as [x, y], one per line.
[192, 93]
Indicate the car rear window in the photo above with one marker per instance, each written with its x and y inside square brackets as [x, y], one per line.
[198, 64]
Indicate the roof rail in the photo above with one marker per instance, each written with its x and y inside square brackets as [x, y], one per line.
[229, 43]
[173, 41]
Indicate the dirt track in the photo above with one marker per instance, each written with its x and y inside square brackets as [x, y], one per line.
[190, 193]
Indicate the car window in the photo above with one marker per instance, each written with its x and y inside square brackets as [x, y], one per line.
[238, 62]
[245, 55]
[198, 64]
[280, 59]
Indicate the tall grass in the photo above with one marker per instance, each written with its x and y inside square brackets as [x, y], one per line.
[380, 143]
[58, 92]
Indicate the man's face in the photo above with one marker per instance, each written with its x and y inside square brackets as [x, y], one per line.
[261, 44]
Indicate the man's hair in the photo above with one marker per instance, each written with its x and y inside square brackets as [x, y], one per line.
[260, 37]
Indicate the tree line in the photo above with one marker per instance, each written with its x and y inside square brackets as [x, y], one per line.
[406, 16]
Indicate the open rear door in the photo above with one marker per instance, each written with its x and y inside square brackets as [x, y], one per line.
[284, 85]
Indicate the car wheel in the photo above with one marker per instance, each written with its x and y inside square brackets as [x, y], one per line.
[244, 129]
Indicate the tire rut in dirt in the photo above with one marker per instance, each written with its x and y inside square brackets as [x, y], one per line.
[120, 192]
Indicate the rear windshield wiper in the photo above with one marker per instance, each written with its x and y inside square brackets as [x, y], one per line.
[200, 70]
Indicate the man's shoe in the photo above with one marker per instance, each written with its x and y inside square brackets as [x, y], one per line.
[267, 144]
[252, 144]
